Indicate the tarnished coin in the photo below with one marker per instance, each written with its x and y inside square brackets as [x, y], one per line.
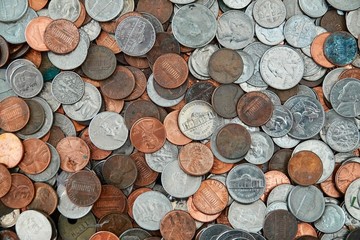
[116, 223]
[108, 131]
[194, 25]
[245, 183]
[115, 89]
[83, 188]
[305, 168]
[135, 35]
[254, 108]
[197, 120]
[150, 208]
[37, 118]
[33, 225]
[225, 66]
[146, 175]
[280, 122]
[306, 203]
[21, 193]
[45, 199]
[100, 63]
[14, 114]
[67, 87]
[111, 200]
[68, 209]
[200, 91]
[233, 141]
[281, 67]
[225, 98]
[69, 229]
[346, 174]
[120, 170]
[280, 224]
[177, 224]
[61, 36]
[332, 220]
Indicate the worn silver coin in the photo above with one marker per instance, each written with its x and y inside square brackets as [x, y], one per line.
[47, 95]
[65, 124]
[269, 13]
[280, 122]
[159, 159]
[68, 87]
[104, 11]
[332, 220]
[299, 31]
[11, 11]
[26, 81]
[261, 148]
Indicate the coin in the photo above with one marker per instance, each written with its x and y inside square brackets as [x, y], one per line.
[67, 87]
[177, 224]
[36, 120]
[286, 230]
[45, 199]
[11, 148]
[21, 192]
[14, 114]
[5, 180]
[338, 56]
[36, 157]
[332, 220]
[198, 215]
[115, 89]
[116, 223]
[196, 159]
[33, 225]
[146, 175]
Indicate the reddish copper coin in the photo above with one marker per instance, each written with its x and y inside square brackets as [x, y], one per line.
[37, 4]
[161, 9]
[320, 96]
[14, 114]
[272, 179]
[212, 197]
[233, 141]
[4, 51]
[82, 16]
[36, 158]
[74, 154]
[111, 200]
[219, 167]
[138, 62]
[196, 159]
[223, 218]
[305, 229]
[61, 36]
[113, 105]
[95, 152]
[21, 193]
[148, 135]
[346, 174]
[305, 168]
[116, 223]
[170, 70]
[12, 150]
[255, 109]
[104, 235]
[115, 89]
[138, 109]
[173, 133]
[132, 197]
[317, 50]
[350, 73]
[34, 57]
[198, 215]
[176, 225]
[106, 40]
[45, 199]
[146, 175]
[120, 170]
[8, 235]
[5, 180]
[140, 84]
[329, 187]
[279, 161]
[83, 188]
[34, 33]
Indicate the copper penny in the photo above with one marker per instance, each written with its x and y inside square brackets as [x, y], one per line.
[46, 137]
[37, 4]
[115, 89]
[11, 148]
[132, 197]
[272, 179]
[170, 70]
[279, 161]
[61, 36]
[139, 109]
[8, 235]
[56, 134]
[45, 200]
[34, 33]
[95, 152]
[320, 96]
[280, 224]
[317, 50]
[82, 16]
[254, 109]
[305, 168]
[346, 174]
[146, 175]
[164, 43]
[21, 193]
[36, 157]
[200, 91]
[350, 73]
[4, 51]
[212, 197]
[173, 133]
[198, 215]
[148, 135]
[305, 229]
[116, 223]
[106, 40]
[74, 154]
[161, 9]
[120, 170]
[225, 66]
[5, 180]
[140, 84]
[177, 224]
[196, 159]
[113, 105]
[233, 141]
[104, 235]
[332, 21]
[223, 218]
[34, 57]
[329, 187]
[138, 62]
[111, 200]
[83, 188]
[14, 114]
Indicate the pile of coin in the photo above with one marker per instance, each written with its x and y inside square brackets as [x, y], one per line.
[180, 119]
